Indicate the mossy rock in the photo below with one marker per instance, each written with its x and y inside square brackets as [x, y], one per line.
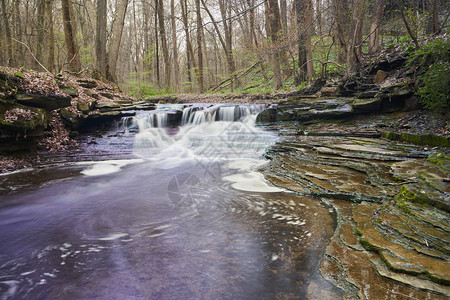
[423, 140]
[48, 102]
[267, 115]
[69, 90]
[21, 127]
[367, 106]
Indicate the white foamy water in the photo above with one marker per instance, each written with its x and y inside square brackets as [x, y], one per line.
[107, 166]
[214, 134]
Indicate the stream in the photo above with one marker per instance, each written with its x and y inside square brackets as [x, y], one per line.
[152, 211]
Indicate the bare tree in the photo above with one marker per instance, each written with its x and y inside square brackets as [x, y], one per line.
[176, 66]
[116, 38]
[100, 38]
[199, 46]
[165, 48]
[70, 36]
[273, 28]
[51, 36]
[374, 38]
[354, 51]
[8, 34]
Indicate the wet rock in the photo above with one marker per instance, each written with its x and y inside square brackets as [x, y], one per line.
[397, 221]
[367, 94]
[267, 115]
[379, 77]
[425, 139]
[367, 106]
[174, 118]
[48, 102]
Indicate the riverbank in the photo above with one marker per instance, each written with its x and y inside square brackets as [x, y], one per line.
[392, 209]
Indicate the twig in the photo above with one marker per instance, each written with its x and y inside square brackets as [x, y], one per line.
[400, 183]
[32, 55]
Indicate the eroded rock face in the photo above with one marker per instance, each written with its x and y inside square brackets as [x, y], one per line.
[392, 204]
[48, 102]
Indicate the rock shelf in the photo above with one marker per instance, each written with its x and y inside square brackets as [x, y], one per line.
[392, 205]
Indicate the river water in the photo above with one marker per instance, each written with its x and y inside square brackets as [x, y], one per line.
[154, 211]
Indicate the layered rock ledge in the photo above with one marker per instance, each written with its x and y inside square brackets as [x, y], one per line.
[392, 205]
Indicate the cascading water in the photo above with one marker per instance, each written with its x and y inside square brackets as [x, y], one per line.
[185, 216]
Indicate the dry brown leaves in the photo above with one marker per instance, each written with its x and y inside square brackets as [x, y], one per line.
[18, 114]
[57, 138]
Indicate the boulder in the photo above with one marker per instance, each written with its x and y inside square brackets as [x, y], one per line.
[70, 118]
[330, 91]
[88, 84]
[367, 106]
[83, 106]
[174, 118]
[395, 88]
[18, 121]
[267, 115]
[69, 90]
[379, 77]
[48, 102]
[107, 105]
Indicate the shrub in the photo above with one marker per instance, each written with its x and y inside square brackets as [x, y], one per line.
[433, 61]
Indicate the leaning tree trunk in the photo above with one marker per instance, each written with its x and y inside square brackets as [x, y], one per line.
[70, 36]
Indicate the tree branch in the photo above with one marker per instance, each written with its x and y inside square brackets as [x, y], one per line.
[32, 55]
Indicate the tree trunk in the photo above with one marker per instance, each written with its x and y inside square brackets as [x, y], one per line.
[116, 38]
[190, 51]
[199, 46]
[100, 38]
[165, 48]
[274, 26]
[8, 34]
[40, 32]
[309, 27]
[374, 38]
[158, 77]
[227, 42]
[70, 36]
[283, 8]
[51, 37]
[354, 52]
[342, 14]
[176, 66]
[435, 15]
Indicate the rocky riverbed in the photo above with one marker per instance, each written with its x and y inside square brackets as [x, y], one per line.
[392, 202]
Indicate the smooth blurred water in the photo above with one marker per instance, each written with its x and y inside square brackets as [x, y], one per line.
[186, 215]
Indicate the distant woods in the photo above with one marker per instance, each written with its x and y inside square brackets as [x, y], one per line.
[157, 46]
